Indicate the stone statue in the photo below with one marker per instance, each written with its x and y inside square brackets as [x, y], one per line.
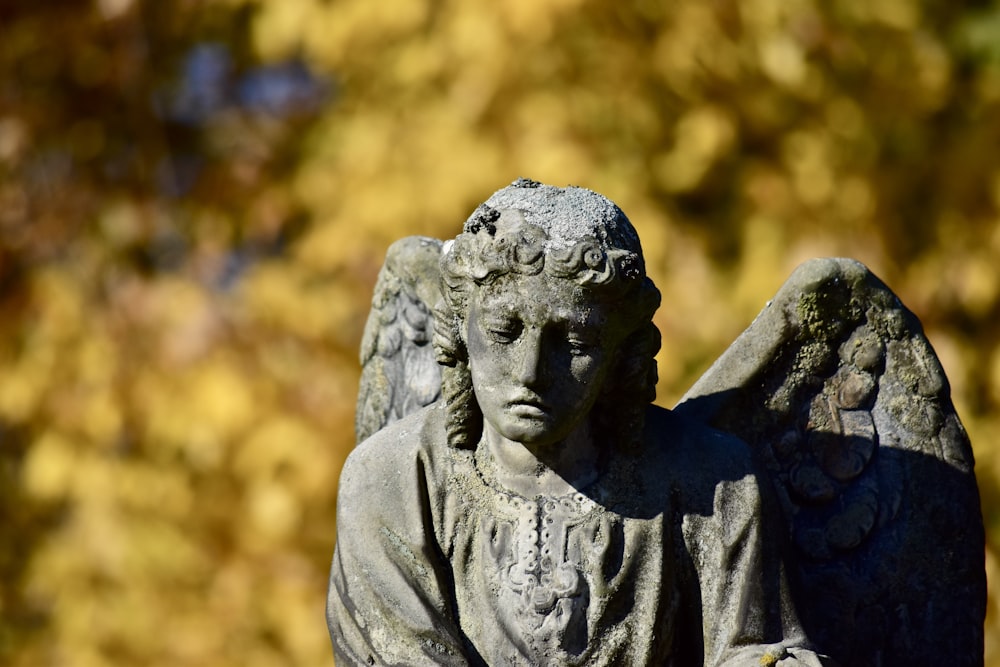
[517, 500]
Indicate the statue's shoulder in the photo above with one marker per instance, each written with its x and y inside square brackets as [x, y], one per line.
[682, 439]
[418, 439]
[695, 458]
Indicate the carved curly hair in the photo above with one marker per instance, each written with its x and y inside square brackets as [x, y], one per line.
[570, 233]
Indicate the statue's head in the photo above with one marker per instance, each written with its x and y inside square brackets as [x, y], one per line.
[546, 319]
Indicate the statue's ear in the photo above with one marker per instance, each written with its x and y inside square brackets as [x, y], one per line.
[617, 370]
[449, 335]
[633, 369]
[629, 388]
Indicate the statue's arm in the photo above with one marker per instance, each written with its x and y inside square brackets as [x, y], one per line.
[388, 600]
[747, 620]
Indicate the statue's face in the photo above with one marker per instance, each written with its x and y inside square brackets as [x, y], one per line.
[539, 350]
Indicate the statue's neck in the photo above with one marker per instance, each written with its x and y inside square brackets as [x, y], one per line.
[557, 469]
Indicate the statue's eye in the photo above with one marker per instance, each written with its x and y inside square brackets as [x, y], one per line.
[579, 346]
[504, 332]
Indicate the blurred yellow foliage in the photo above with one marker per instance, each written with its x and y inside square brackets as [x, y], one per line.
[188, 244]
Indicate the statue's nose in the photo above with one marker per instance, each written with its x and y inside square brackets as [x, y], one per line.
[528, 370]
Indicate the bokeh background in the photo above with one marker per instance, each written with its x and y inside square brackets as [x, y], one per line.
[195, 198]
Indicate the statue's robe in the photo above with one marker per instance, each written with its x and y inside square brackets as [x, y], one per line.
[662, 561]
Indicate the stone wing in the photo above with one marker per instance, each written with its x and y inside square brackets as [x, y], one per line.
[399, 372]
[838, 392]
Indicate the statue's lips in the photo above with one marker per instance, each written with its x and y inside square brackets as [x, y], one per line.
[528, 407]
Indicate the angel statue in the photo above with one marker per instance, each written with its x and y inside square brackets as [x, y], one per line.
[517, 499]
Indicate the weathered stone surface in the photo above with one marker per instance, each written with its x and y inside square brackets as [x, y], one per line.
[542, 512]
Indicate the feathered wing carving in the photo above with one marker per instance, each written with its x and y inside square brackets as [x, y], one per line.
[838, 391]
[399, 372]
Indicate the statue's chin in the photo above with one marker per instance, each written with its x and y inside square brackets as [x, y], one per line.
[549, 443]
[528, 432]
[528, 426]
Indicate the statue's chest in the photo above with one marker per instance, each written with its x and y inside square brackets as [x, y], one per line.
[552, 580]
[542, 559]
[536, 561]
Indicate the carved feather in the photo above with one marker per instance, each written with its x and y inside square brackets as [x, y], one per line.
[399, 372]
[841, 396]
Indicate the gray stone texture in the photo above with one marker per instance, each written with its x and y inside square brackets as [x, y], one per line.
[517, 500]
